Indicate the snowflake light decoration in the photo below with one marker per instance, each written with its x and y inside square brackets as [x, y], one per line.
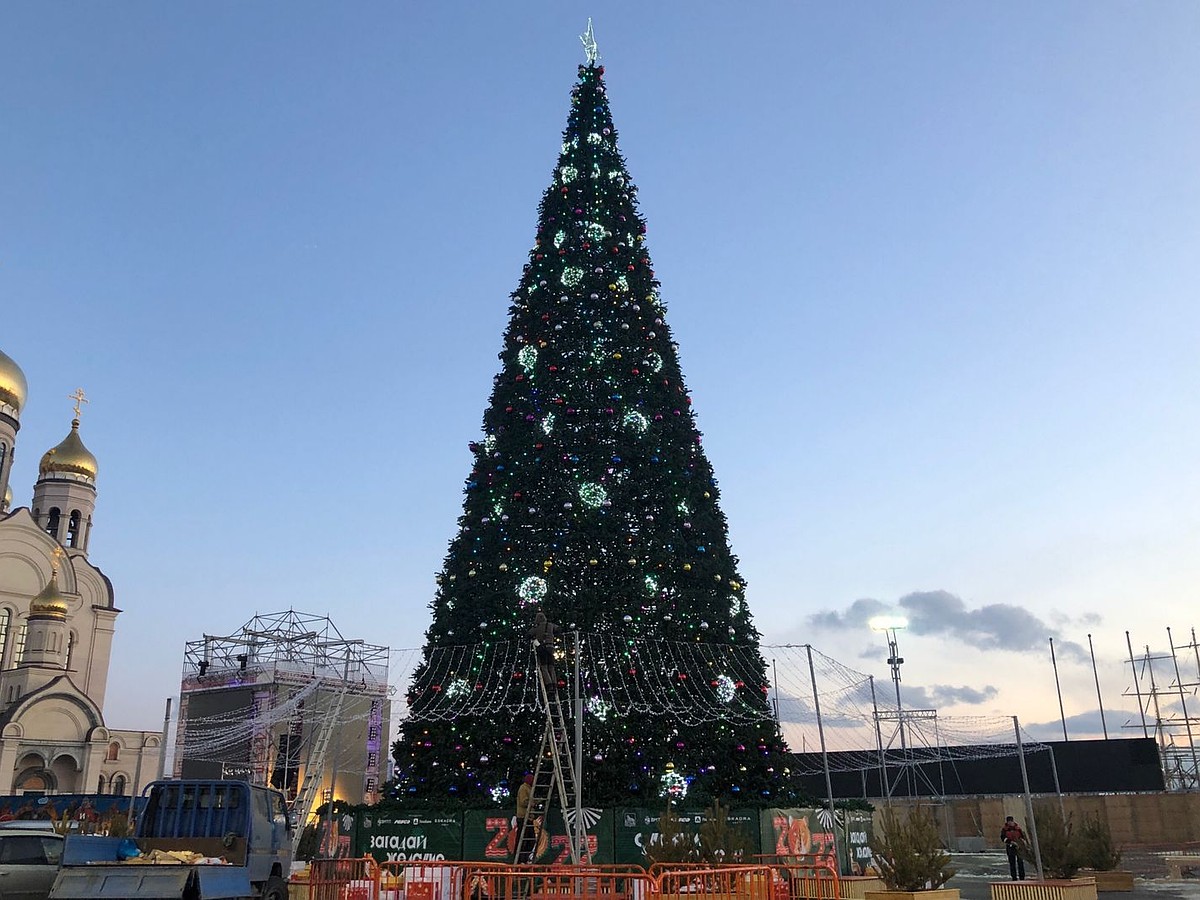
[636, 420]
[532, 590]
[592, 494]
[674, 785]
[457, 688]
[527, 357]
[726, 688]
[598, 708]
[572, 275]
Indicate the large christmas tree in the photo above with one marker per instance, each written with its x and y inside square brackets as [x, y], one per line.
[592, 500]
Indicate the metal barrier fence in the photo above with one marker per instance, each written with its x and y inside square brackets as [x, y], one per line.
[725, 882]
[431, 879]
[364, 879]
[807, 877]
[342, 879]
[562, 883]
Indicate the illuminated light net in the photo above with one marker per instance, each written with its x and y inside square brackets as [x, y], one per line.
[621, 677]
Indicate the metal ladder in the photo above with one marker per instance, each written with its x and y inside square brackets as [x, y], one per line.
[554, 769]
[314, 769]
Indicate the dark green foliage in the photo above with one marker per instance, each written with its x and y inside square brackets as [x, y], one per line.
[908, 851]
[306, 849]
[592, 486]
[674, 845]
[1062, 855]
[719, 843]
[1096, 848]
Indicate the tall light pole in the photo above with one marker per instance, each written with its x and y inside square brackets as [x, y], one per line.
[889, 625]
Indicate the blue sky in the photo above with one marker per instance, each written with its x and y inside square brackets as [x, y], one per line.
[932, 270]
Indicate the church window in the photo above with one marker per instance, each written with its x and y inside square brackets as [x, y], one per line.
[70, 649]
[114, 751]
[118, 785]
[19, 646]
[52, 522]
[5, 619]
[73, 533]
[3, 455]
[100, 785]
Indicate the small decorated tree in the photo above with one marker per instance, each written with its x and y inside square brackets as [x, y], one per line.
[674, 844]
[908, 852]
[719, 842]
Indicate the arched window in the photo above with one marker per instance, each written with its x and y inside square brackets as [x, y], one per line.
[100, 785]
[52, 521]
[19, 646]
[70, 649]
[73, 534]
[114, 751]
[5, 621]
[3, 456]
[118, 785]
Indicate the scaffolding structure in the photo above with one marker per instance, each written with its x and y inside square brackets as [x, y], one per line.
[261, 704]
[1162, 694]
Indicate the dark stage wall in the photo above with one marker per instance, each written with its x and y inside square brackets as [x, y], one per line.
[1083, 767]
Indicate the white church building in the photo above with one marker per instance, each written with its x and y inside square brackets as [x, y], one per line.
[57, 619]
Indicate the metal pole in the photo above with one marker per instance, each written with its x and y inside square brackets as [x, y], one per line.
[580, 836]
[1057, 787]
[884, 785]
[1158, 722]
[1037, 848]
[1058, 690]
[812, 673]
[1183, 705]
[895, 660]
[775, 682]
[1099, 698]
[1137, 688]
[162, 747]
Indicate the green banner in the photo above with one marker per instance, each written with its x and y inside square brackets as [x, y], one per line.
[857, 858]
[636, 829]
[491, 836]
[401, 837]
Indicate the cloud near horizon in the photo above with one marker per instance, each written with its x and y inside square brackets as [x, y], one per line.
[996, 626]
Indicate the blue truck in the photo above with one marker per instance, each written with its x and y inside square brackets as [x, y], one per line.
[242, 832]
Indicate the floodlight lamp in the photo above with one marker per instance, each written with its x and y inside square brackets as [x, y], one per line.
[887, 623]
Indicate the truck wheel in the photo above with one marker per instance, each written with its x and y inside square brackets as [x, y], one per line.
[275, 889]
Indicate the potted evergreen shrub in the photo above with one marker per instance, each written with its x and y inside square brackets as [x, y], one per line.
[910, 858]
[1100, 855]
[1061, 861]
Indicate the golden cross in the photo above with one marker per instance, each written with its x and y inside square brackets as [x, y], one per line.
[78, 397]
[56, 559]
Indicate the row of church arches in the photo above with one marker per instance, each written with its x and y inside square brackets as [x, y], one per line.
[77, 528]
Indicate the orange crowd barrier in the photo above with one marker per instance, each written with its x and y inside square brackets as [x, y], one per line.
[343, 879]
[588, 882]
[431, 880]
[732, 882]
[806, 876]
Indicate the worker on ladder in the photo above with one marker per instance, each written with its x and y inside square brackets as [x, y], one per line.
[545, 639]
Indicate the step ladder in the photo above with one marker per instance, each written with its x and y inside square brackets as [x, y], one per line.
[314, 769]
[554, 772]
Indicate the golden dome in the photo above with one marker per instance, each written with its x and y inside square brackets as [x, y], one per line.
[8, 496]
[70, 457]
[13, 386]
[49, 604]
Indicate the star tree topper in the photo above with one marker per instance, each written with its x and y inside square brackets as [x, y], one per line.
[590, 50]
